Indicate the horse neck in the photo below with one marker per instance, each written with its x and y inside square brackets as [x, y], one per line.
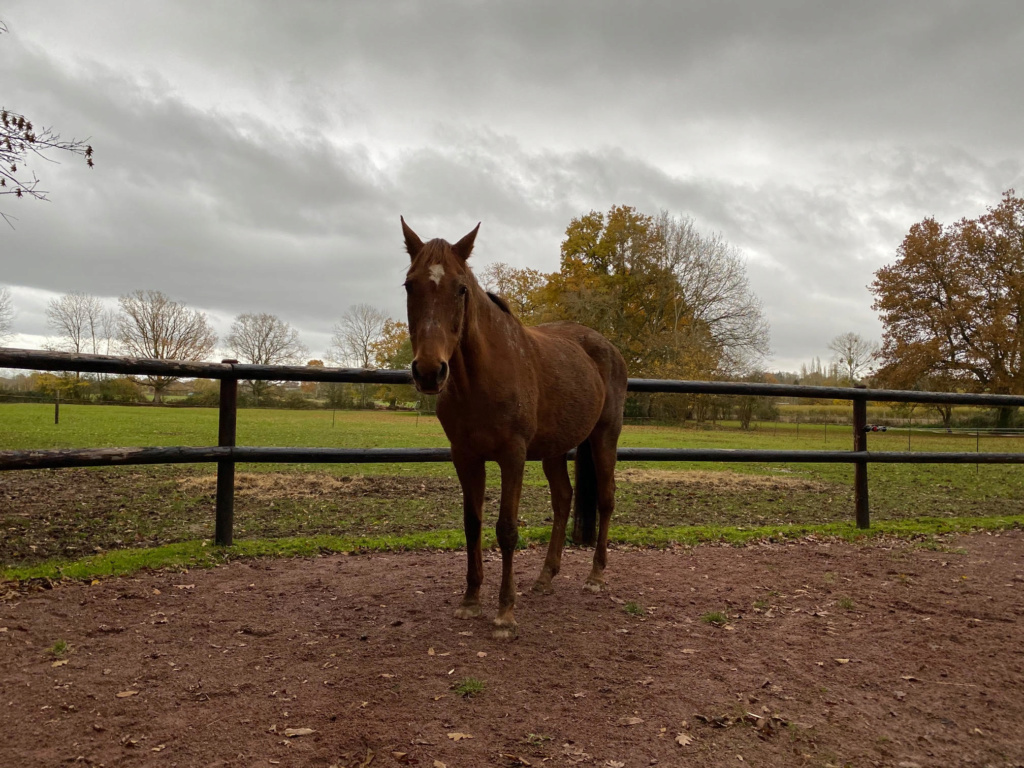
[488, 338]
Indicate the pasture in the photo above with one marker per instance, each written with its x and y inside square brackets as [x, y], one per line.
[70, 514]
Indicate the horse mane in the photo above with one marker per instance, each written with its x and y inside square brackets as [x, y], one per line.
[502, 304]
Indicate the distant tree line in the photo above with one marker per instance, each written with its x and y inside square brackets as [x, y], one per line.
[676, 303]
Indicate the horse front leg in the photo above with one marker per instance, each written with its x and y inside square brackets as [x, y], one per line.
[505, 627]
[472, 476]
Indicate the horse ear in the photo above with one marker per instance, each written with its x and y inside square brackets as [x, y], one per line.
[413, 244]
[464, 247]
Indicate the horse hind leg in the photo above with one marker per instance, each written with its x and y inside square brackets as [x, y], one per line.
[557, 473]
[603, 444]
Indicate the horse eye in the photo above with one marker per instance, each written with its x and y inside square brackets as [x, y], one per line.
[463, 290]
[407, 285]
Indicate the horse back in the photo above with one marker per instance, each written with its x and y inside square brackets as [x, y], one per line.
[609, 363]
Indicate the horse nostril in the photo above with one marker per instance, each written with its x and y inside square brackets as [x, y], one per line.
[442, 374]
[415, 373]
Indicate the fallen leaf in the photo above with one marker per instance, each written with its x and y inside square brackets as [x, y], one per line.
[384, 674]
[159, 748]
[60, 663]
[614, 764]
[439, 764]
[688, 650]
[683, 740]
[481, 654]
[459, 736]
[184, 586]
[842, 661]
[126, 694]
[630, 720]
[515, 759]
[293, 732]
[430, 651]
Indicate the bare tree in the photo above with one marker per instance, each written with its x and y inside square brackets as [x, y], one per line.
[6, 315]
[19, 139]
[853, 354]
[355, 335]
[714, 292]
[263, 339]
[82, 323]
[150, 325]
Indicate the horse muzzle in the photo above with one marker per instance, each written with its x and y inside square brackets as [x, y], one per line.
[429, 378]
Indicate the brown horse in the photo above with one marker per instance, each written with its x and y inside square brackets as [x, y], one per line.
[508, 393]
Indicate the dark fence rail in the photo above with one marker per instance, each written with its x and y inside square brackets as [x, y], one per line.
[226, 454]
[30, 359]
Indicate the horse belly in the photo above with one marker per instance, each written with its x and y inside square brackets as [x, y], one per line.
[569, 406]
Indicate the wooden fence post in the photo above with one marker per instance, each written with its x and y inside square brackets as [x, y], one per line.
[860, 468]
[228, 418]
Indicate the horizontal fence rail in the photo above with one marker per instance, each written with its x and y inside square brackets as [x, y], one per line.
[114, 457]
[227, 453]
[29, 359]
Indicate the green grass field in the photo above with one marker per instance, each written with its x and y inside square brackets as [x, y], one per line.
[65, 514]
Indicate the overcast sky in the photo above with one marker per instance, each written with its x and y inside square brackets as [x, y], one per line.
[256, 156]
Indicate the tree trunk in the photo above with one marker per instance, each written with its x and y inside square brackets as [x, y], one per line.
[1004, 417]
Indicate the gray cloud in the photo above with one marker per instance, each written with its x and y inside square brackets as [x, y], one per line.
[255, 157]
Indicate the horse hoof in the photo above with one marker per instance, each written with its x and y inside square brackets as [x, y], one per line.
[505, 631]
[467, 611]
[543, 587]
[593, 586]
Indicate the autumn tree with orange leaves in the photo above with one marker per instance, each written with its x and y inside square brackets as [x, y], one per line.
[675, 302]
[952, 305]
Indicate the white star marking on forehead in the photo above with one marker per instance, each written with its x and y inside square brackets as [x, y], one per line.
[436, 273]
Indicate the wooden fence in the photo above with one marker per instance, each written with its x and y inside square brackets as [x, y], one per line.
[226, 453]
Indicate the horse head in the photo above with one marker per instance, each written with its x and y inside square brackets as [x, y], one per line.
[438, 290]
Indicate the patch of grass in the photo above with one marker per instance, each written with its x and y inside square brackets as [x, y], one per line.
[845, 603]
[469, 687]
[716, 618]
[202, 554]
[634, 608]
[536, 739]
[762, 605]
[60, 649]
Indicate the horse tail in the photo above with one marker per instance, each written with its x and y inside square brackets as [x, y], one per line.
[584, 528]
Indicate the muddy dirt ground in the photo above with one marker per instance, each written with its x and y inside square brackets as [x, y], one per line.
[821, 654]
